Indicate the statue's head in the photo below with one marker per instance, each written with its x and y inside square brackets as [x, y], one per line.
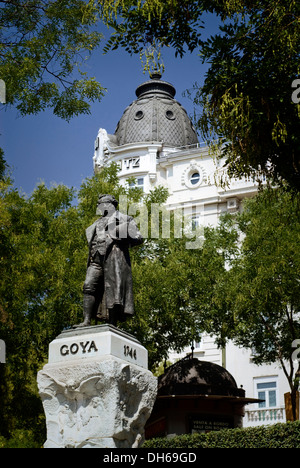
[106, 204]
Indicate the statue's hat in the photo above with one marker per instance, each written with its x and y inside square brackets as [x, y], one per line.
[108, 199]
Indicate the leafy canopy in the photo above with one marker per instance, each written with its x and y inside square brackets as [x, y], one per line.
[43, 254]
[267, 272]
[139, 23]
[256, 299]
[43, 45]
[246, 101]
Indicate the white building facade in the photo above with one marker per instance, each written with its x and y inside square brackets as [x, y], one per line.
[156, 144]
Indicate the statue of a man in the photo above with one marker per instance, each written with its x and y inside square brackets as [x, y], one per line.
[107, 289]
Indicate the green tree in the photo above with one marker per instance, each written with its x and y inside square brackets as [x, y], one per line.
[246, 100]
[43, 253]
[255, 299]
[2, 164]
[43, 260]
[43, 47]
[136, 24]
[40, 267]
[164, 319]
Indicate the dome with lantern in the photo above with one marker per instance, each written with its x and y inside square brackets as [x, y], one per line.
[156, 117]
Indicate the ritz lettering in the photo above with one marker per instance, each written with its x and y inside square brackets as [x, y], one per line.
[131, 163]
[74, 348]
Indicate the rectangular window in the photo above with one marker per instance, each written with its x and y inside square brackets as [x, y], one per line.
[195, 222]
[138, 183]
[198, 345]
[266, 389]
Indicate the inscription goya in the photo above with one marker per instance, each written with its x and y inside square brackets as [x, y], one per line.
[90, 346]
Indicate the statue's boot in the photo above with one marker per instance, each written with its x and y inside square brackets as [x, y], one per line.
[88, 308]
[114, 315]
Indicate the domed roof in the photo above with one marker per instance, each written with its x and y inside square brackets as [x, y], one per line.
[193, 377]
[156, 116]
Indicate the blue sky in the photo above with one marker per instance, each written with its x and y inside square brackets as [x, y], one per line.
[46, 148]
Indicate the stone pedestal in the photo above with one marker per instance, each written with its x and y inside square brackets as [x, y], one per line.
[96, 389]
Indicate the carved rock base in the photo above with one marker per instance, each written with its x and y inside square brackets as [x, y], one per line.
[97, 402]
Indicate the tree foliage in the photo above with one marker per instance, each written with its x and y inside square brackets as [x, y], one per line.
[43, 254]
[43, 45]
[247, 292]
[266, 293]
[246, 100]
[138, 23]
[2, 164]
[256, 299]
[40, 265]
[164, 319]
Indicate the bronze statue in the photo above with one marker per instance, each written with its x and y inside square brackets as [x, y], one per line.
[107, 289]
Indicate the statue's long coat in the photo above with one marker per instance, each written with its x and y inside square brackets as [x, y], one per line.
[117, 267]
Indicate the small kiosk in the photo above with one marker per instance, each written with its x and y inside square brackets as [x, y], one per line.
[196, 396]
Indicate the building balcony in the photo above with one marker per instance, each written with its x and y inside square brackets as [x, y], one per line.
[264, 417]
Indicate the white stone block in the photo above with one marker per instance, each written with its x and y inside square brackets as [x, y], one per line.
[101, 401]
[93, 342]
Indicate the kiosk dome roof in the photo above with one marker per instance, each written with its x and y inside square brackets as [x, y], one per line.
[193, 377]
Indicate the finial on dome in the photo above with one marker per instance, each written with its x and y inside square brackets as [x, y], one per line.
[156, 86]
[156, 74]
